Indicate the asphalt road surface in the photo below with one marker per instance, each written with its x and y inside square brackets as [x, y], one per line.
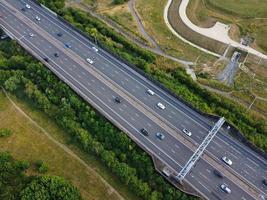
[99, 83]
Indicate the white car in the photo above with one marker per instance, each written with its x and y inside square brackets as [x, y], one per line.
[95, 49]
[227, 160]
[31, 34]
[150, 92]
[28, 6]
[161, 106]
[225, 188]
[37, 18]
[89, 60]
[187, 132]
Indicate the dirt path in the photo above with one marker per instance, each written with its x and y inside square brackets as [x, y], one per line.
[137, 18]
[63, 147]
[129, 36]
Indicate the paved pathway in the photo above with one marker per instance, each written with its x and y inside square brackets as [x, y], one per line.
[218, 32]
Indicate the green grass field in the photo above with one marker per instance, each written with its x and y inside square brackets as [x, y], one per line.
[28, 142]
[248, 17]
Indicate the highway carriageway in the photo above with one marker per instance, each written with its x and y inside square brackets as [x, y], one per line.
[106, 74]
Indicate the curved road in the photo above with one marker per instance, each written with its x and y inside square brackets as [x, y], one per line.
[218, 32]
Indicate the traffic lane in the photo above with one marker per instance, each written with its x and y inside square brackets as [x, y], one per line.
[126, 80]
[83, 74]
[205, 175]
[122, 117]
[61, 61]
[129, 84]
[244, 166]
[48, 15]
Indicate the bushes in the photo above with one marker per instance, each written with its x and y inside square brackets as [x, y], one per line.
[16, 185]
[48, 188]
[5, 132]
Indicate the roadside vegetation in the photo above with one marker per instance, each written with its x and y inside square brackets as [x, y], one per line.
[118, 13]
[95, 134]
[16, 184]
[27, 141]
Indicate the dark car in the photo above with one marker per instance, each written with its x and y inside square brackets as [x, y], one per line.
[118, 100]
[218, 173]
[59, 34]
[56, 54]
[144, 132]
[68, 45]
[46, 59]
[264, 181]
[23, 9]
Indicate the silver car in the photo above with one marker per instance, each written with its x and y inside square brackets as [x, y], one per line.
[37, 18]
[161, 106]
[227, 160]
[225, 188]
[89, 60]
[187, 132]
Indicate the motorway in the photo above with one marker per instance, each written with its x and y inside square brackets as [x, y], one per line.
[107, 78]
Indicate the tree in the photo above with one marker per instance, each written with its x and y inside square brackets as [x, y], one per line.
[48, 188]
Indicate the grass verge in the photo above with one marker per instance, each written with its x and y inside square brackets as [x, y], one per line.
[28, 142]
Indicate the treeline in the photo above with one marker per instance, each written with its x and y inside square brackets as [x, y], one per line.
[16, 185]
[176, 80]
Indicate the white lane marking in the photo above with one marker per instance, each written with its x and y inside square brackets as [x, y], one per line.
[222, 141]
[203, 186]
[93, 80]
[250, 167]
[121, 109]
[217, 144]
[132, 119]
[203, 176]
[246, 172]
[149, 124]
[197, 136]
[176, 145]
[173, 151]
[233, 155]
[252, 162]
[170, 116]
[136, 114]
[208, 170]
[213, 147]
[103, 88]
[235, 150]
[133, 90]
[89, 84]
